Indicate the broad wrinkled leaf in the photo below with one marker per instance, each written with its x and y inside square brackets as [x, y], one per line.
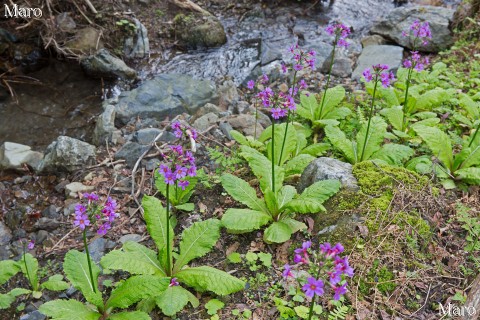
[32, 264]
[244, 220]
[340, 142]
[8, 268]
[241, 191]
[277, 232]
[438, 142]
[394, 154]
[262, 168]
[377, 131]
[174, 299]
[55, 283]
[129, 315]
[210, 279]
[68, 310]
[394, 116]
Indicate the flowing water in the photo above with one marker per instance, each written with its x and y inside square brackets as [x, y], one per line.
[64, 102]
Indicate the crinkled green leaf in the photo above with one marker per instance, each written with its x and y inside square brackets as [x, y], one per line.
[277, 232]
[311, 199]
[338, 113]
[308, 106]
[389, 95]
[438, 142]
[271, 201]
[68, 310]
[197, 241]
[377, 131]
[472, 157]
[394, 154]
[285, 195]
[294, 225]
[241, 191]
[55, 283]
[174, 299]
[244, 220]
[213, 305]
[186, 207]
[262, 168]
[32, 264]
[394, 116]
[76, 269]
[469, 175]
[8, 298]
[298, 164]
[333, 98]
[472, 107]
[156, 219]
[129, 315]
[210, 279]
[289, 146]
[422, 165]
[133, 258]
[432, 98]
[135, 289]
[340, 142]
[8, 268]
[315, 149]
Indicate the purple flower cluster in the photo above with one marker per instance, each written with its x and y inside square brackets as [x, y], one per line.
[341, 32]
[173, 282]
[420, 31]
[101, 215]
[379, 72]
[180, 130]
[180, 164]
[416, 61]
[278, 102]
[301, 59]
[328, 265]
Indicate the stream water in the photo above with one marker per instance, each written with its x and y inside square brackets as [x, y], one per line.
[64, 102]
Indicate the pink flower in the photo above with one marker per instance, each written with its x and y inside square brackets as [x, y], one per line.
[287, 272]
[173, 282]
[183, 184]
[313, 287]
[339, 291]
[31, 244]
[250, 84]
[81, 221]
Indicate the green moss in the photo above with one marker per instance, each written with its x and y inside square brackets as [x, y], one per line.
[381, 277]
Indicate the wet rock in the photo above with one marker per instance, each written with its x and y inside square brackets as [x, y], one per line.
[246, 124]
[137, 46]
[5, 234]
[342, 66]
[203, 31]
[205, 121]
[105, 125]
[130, 152]
[72, 189]
[103, 64]
[373, 40]
[166, 95]
[65, 23]
[86, 41]
[328, 168]
[13, 155]
[46, 224]
[67, 154]
[225, 128]
[130, 237]
[401, 19]
[384, 54]
[50, 212]
[147, 135]
[34, 315]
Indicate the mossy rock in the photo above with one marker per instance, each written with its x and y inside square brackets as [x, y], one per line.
[199, 31]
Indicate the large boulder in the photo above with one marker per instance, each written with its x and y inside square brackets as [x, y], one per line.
[400, 19]
[372, 55]
[103, 64]
[325, 168]
[199, 31]
[166, 95]
[67, 154]
[14, 155]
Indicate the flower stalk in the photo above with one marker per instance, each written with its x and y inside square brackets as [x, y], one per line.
[88, 260]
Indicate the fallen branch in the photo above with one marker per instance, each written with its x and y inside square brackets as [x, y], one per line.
[189, 5]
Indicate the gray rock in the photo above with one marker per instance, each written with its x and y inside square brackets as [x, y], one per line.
[5, 252]
[208, 108]
[152, 164]
[228, 94]
[5, 234]
[342, 65]
[204, 31]
[105, 125]
[97, 249]
[19, 233]
[67, 154]
[130, 237]
[372, 55]
[263, 119]
[269, 53]
[86, 41]
[241, 107]
[147, 135]
[137, 46]
[13, 155]
[46, 224]
[72, 189]
[60, 187]
[324, 168]
[14, 218]
[2, 186]
[34, 315]
[205, 121]
[41, 236]
[246, 124]
[130, 152]
[166, 95]
[373, 40]
[50, 212]
[103, 64]
[225, 127]
[400, 19]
